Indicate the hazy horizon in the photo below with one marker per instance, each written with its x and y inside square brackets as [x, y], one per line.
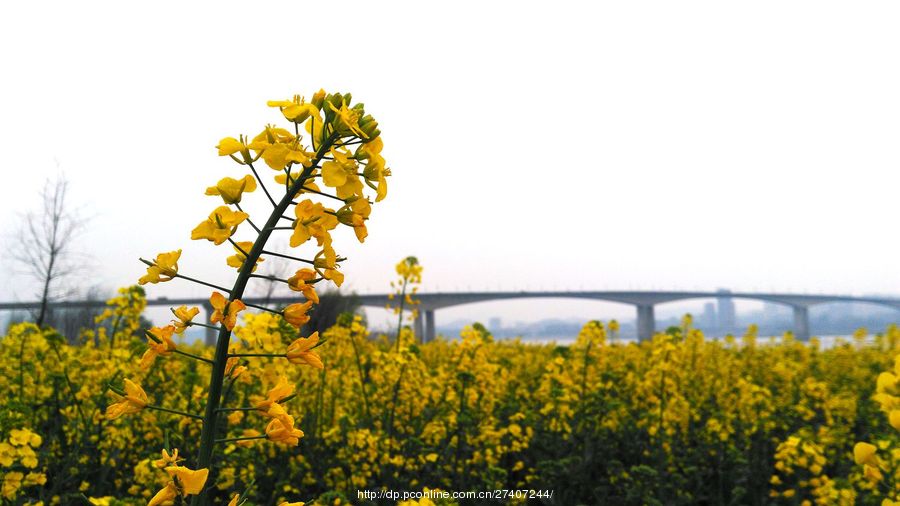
[646, 145]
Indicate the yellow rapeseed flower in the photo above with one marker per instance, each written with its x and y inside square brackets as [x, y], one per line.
[295, 314]
[134, 400]
[347, 120]
[184, 317]
[164, 268]
[301, 351]
[186, 482]
[298, 283]
[166, 459]
[237, 260]
[21, 437]
[313, 220]
[296, 110]
[161, 344]
[375, 172]
[229, 146]
[220, 226]
[225, 311]
[231, 190]
[232, 367]
[281, 430]
[279, 148]
[864, 453]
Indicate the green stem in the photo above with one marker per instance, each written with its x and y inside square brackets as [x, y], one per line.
[270, 355]
[245, 438]
[400, 316]
[270, 278]
[214, 327]
[310, 190]
[262, 308]
[238, 206]
[362, 380]
[274, 254]
[217, 287]
[195, 357]
[207, 434]
[265, 190]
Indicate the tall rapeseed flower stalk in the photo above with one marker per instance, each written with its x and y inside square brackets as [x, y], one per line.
[405, 287]
[344, 157]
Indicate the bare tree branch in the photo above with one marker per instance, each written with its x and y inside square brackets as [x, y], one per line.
[45, 249]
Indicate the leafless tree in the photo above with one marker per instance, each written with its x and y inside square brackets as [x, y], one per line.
[267, 288]
[45, 250]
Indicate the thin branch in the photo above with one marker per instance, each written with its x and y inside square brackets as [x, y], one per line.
[272, 253]
[266, 190]
[238, 205]
[244, 438]
[269, 355]
[310, 190]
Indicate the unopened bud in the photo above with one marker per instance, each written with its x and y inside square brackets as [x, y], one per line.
[346, 216]
[318, 99]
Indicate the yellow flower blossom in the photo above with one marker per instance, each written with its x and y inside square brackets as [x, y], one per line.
[12, 481]
[164, 268]
[185, 482]
[225, 311]
[347, 120]
[232, 367]
[864, 453]
[296, 110]
[270, 406]
[298, 283]
[134, 400]
[190, 480]
[295, 314]
[375, 172]
[20, 437]
[220, 226]
[237, 260]
[231, 190]
[355, 215]
[281, 430]
[229, 146]
[301, 351]
[313, 220]
[280, 148]
[184, 317]
[7, 455]
[166, 459]
[165, 496]
[161, 344]
[341, 174]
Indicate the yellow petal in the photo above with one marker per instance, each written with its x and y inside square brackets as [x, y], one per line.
[229, 146]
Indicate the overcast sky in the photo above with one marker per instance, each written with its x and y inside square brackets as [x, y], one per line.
[557, 145]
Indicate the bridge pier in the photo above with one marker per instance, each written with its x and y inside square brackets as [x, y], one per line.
[210, 332]
[646, 323]
[429, 326]
[801, 322]
[419, 327]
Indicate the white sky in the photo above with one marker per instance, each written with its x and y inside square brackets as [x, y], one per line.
[557, 145]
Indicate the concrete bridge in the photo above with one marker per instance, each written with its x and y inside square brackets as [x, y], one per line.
[643, 301]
